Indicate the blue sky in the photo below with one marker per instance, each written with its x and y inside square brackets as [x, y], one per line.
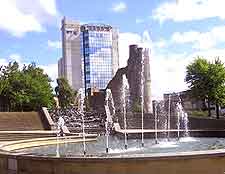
[175, 30]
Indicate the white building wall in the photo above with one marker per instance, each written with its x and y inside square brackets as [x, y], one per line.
[115, 51]
[60, 68]
[71, 52]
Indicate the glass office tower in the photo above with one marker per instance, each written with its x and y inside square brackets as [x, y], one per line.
[97, 60]
[97, 55]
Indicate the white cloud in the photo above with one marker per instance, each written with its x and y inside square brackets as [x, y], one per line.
[19, 17]
[186, 37]
[3, 62]
[54, 44]
[160, 44]
[167, 73]
[126, 39]
[50, 69]
[119, 7]
[210, 54]
[201, 40]
[15, 57]
[49, 6]
[188, 10]
[168, 69]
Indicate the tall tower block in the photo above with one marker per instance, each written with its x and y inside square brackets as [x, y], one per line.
[147, 82]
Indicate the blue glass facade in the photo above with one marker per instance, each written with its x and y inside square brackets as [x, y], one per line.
[96, 49]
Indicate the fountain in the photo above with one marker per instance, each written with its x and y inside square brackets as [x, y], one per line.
[168, 119]
[124, 98]
[60, 127]
[100, 158]
[142, 102]
[60, 133]
[109, 119]
[155, 113]
[185, 122]
[81, 109]
[106, 154]
[178, 120]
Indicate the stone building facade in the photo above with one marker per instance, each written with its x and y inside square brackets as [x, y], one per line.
[138, 68]
[147, 82]
[134, 75]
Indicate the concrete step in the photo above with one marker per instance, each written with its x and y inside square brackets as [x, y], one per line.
[22, 136]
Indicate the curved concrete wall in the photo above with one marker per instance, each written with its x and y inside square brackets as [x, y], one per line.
[211, 162]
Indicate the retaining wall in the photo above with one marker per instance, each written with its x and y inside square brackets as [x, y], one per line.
[211, 162]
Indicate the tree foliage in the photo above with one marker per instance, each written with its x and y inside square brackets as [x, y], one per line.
[207, 81]
[64, 93]
[25, 90]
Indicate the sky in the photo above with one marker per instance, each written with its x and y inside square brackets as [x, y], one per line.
[176, 31]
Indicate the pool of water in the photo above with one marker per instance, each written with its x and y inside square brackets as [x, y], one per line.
[116, 147]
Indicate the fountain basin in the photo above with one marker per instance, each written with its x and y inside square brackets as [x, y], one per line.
[198, 162]
[74, 148]
[150, 160]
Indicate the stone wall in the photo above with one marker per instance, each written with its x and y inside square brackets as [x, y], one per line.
[116, 88]
[134, 75]
[21, 121]
[206, 123]
[211, 162]
[138, 60]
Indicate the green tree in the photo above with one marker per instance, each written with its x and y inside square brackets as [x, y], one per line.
[217, 84]
[38, 85]
[27, 89]
[64, 93]
[206, 81]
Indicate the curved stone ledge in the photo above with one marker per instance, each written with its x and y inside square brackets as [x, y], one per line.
[196, 162]
[21, 144]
